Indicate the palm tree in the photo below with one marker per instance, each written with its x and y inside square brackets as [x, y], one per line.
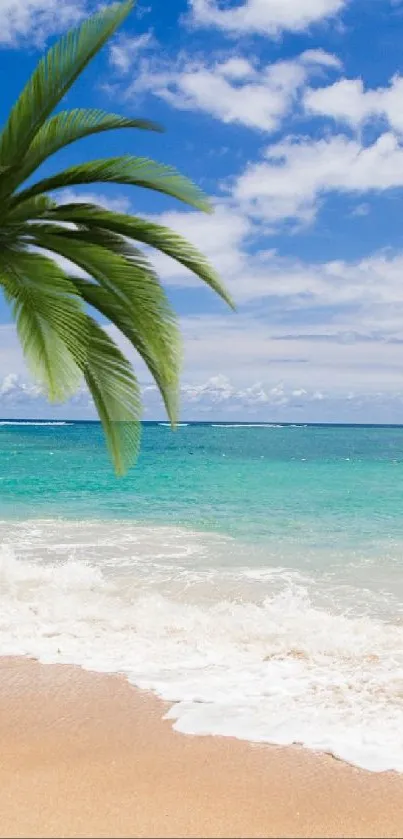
[62, 342]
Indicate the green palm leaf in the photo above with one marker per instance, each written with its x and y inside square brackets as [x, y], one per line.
[53, 77]
[67, 127]
[31, 209]
[115, 391]
[116, 265]
[136, 171]
[50, 320]
[140, 308]
[143, 230]
[163, 365]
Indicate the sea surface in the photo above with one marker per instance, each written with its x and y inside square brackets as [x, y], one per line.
[250, 574]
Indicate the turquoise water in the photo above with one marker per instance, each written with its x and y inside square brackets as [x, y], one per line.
[322, 485]
[250, 574]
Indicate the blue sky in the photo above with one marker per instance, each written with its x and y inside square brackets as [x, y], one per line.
[289, 113]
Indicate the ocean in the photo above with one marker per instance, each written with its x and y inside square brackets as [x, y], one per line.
[252, 575]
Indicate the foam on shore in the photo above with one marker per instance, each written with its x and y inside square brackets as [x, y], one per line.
[257, 659]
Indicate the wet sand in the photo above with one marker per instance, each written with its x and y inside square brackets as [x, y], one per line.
[87, 755]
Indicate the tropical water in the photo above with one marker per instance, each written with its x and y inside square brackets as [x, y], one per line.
[252, 575]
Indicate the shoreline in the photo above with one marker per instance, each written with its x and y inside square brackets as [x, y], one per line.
[85, 754]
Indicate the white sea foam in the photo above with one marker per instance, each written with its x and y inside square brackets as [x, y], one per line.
[32, 422]
[246, 425]
[240, 650]
[168, 424]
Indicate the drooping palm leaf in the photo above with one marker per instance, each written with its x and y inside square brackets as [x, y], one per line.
[163, 368]
[59, 338]
[117, 266]
[51, 322]
[141, 305]
[143, 230]
[115, 391]
[135, 171]
[31, 209]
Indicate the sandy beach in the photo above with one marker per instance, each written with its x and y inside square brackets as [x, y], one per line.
[85, 755]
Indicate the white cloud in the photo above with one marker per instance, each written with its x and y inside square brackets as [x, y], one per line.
[288, 283]
[348, 101]
[115, 203]
[237, 69]
[361, 210]
[13, 388]
[369, 284]
[266, 17]
[36, 20]
[233, 90]
[297, 172]
[221, 391]
[21, 398]
[220, 398]
[322, 58]
[125, 50]
[246, 347]
[271, 400]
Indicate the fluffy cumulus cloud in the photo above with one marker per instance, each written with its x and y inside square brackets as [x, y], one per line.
[293, 176]
[233, 90]
[348, 101]
[14, 389]
[21, 398]
[217, 398]
[296, 173]
[36, 20]
[265, 17]
[370, 286]
[290, 179]
[222, 396]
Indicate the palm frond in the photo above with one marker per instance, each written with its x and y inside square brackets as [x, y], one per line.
[136, 171]
[153, 235]
[67, 127]
[126, 274]
[115, 391]
[163, 365]
[53, 77]
[111, 260]
[50, 319]
[31, 209]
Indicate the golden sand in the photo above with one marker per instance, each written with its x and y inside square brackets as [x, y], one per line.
[86, 755]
